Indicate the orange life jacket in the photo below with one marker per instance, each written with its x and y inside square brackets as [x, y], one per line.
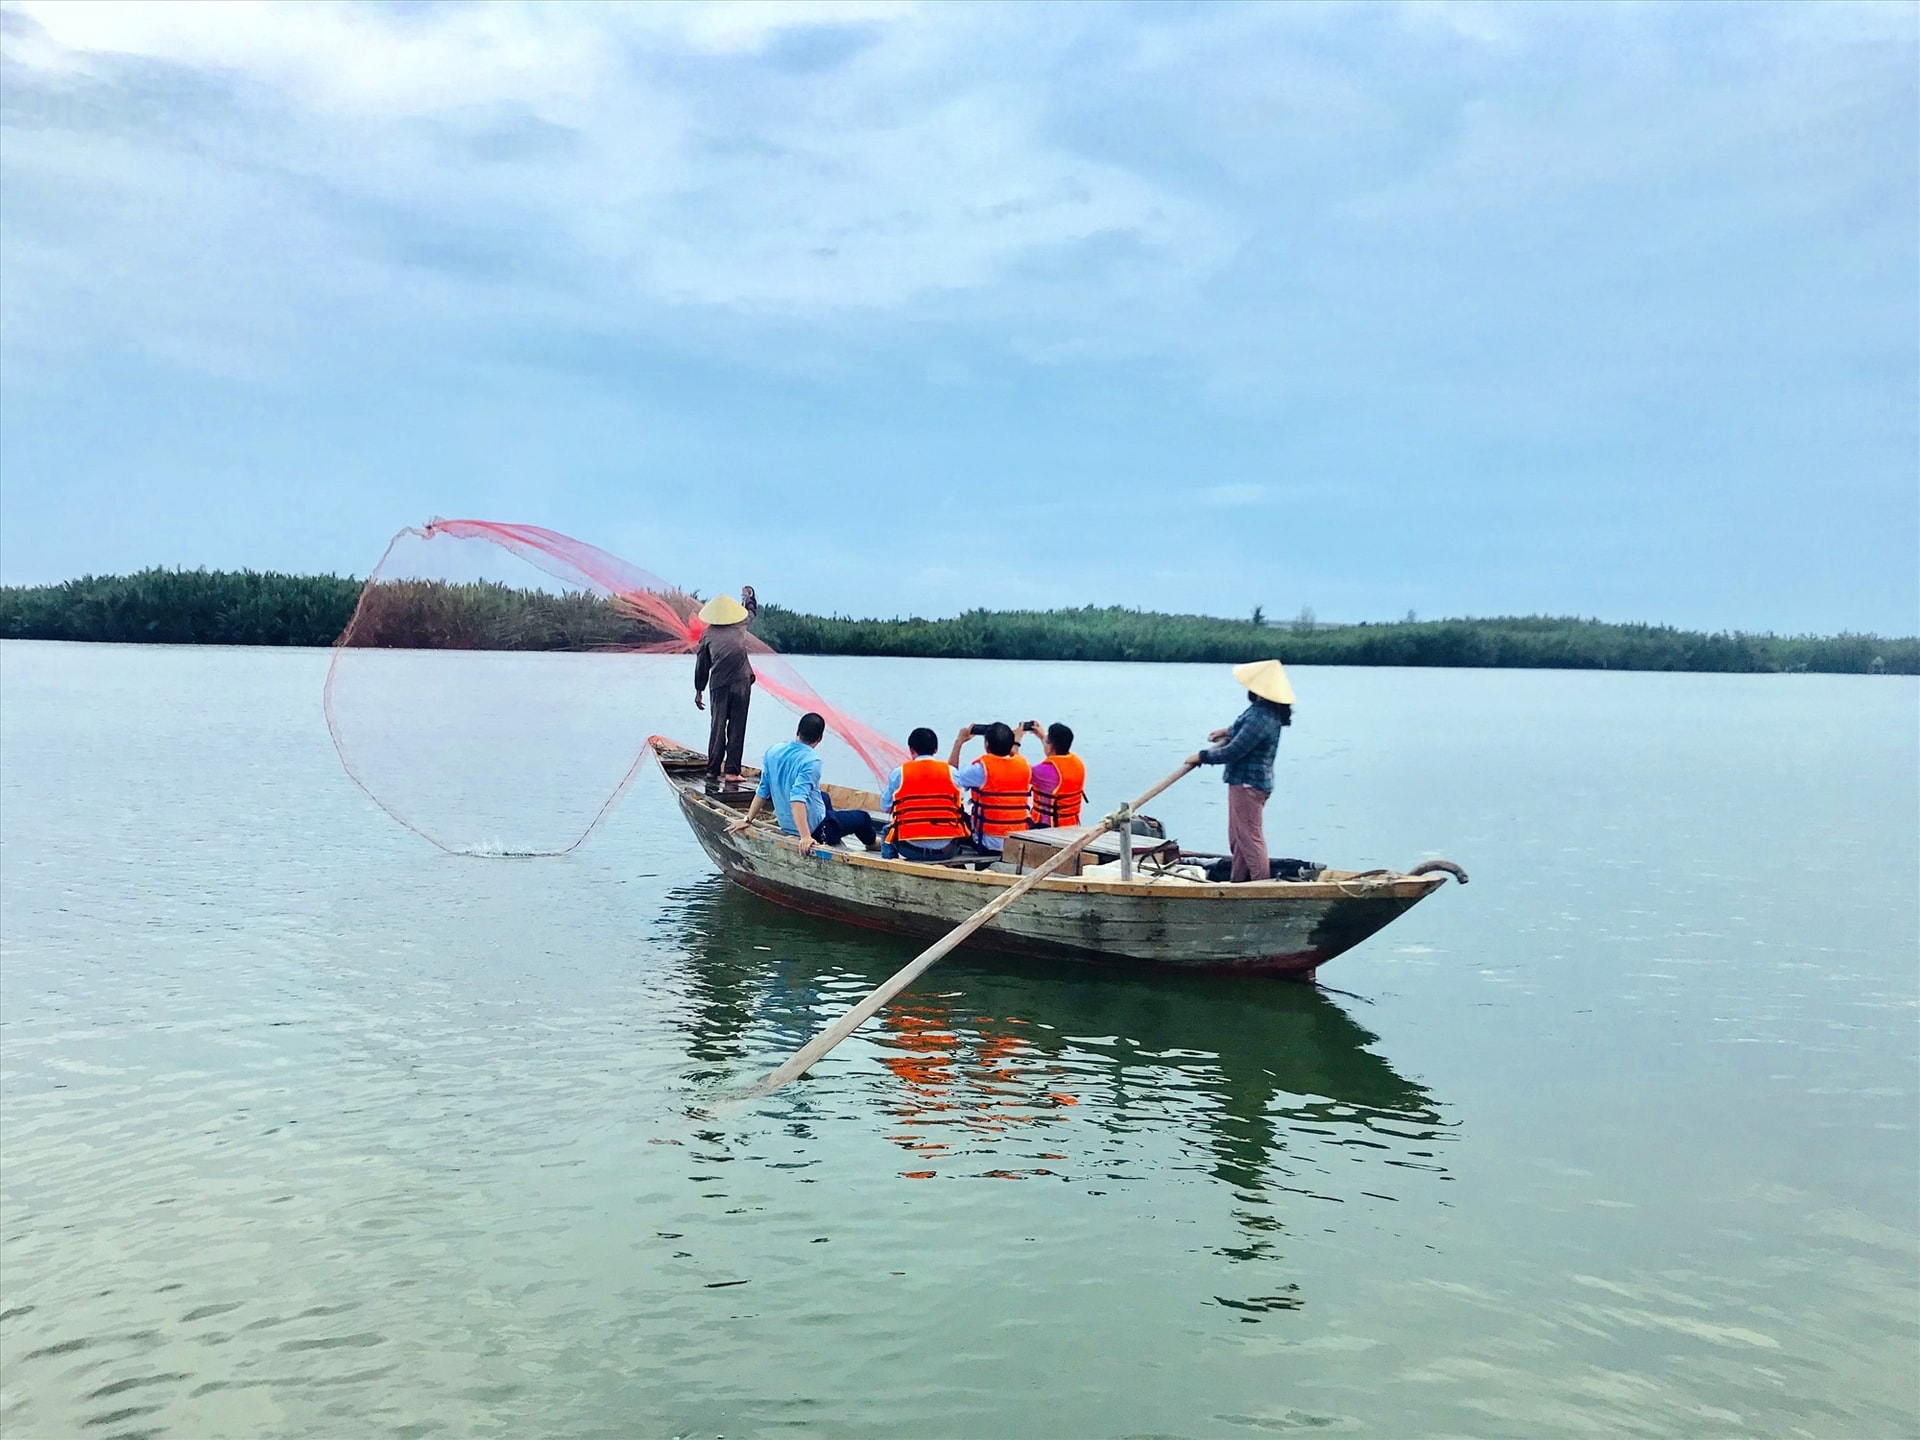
[1000, 805]
[1061, 805]
[926, 805]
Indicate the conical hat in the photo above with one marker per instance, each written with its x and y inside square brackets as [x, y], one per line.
[1267, 679]
[723, 610]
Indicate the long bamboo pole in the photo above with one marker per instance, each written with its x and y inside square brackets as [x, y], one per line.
[804, 1059]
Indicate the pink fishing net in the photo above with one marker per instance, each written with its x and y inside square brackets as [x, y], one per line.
[497, 686]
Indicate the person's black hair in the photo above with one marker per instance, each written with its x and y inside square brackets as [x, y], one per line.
[1286, 711]
[812, 727]
[1000, 738]
[1060, 737]
[923, 741]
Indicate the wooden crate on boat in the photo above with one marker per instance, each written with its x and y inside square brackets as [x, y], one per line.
[1026, 849]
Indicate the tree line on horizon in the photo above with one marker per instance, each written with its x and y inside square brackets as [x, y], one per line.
[202, 607]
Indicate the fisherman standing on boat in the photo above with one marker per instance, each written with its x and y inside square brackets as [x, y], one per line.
[999, 783]
[1059, 781]
[1246, 748]
[724, 661]
[924, 799]
[790, 788]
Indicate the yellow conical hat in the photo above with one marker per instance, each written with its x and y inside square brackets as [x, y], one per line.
[723, 610]
[1267, 679]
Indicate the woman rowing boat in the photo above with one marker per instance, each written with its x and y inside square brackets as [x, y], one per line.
[1246, 748]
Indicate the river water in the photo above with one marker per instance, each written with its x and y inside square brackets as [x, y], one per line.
[308, 1128]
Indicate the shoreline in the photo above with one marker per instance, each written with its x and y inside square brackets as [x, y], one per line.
[991, 659]
[249, 608]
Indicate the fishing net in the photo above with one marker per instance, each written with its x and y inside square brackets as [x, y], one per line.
[497, 686]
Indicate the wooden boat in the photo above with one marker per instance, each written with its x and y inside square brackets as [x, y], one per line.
[1280, 927]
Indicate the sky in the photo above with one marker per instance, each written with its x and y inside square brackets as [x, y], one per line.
[886, 309]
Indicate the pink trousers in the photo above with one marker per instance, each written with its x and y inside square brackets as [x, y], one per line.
[1247, 832]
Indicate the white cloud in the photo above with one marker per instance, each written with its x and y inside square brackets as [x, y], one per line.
[1289, 202]
[598, 159]
[341, 58]
[1152, 255]
[384, 61]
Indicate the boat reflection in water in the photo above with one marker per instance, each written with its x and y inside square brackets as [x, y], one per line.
[1017, 1069]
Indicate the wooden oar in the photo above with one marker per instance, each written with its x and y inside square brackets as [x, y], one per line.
[804, 1058]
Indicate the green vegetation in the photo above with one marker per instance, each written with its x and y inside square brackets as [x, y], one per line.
[183, 607]
[248, 608]
[1534, 642]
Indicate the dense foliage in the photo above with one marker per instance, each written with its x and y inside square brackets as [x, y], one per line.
[249, 608]
[183, 607]
[1529, 642]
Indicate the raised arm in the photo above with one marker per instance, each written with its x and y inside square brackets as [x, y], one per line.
[960, 737]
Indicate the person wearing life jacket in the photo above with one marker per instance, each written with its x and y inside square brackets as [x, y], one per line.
[1059, 780]
[924, 800]
[998, 785]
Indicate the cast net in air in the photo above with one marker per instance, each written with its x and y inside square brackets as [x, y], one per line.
[497, 686]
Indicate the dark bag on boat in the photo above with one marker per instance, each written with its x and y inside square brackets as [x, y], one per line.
[1221, 870]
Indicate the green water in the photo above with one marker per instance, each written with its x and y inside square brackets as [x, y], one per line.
[309, 1129]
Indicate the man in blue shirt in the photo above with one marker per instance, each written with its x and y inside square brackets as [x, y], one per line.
[999, 782]
[790, 788]
[921, 745]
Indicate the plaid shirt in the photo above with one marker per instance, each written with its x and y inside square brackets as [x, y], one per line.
[723, 658]
[1248, 753]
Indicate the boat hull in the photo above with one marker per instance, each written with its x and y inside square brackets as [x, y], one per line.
[1276, 927]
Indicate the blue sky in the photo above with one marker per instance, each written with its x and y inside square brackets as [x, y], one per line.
[1461, 309]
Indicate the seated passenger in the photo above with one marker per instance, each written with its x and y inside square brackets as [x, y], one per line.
[928, 823]
[790, 787]
[1059, 781]
[998, 783]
